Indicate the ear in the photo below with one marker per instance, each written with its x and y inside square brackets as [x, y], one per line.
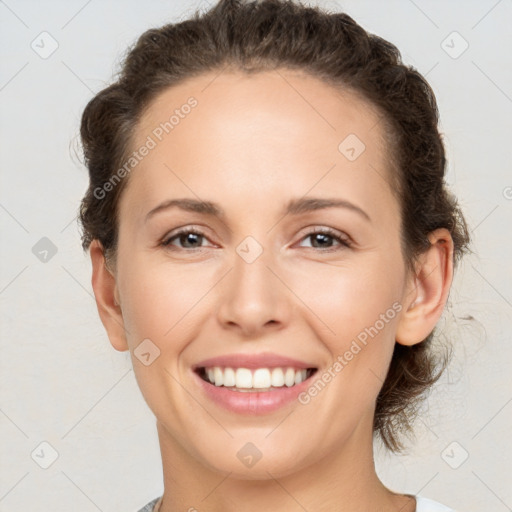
[107, 297]
[428, 290]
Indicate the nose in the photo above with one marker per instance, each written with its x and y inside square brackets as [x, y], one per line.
[253, 300]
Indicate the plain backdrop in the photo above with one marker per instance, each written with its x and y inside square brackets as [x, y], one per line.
[69, 401]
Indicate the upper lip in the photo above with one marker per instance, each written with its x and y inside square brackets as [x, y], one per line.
[253, 361]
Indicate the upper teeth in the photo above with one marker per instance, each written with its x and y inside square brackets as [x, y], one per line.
[260, 378]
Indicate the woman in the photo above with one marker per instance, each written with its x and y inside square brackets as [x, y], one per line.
[273, 241]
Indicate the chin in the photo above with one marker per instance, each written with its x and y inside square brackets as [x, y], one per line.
[249, 464]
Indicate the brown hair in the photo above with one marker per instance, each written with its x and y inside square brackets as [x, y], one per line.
[256, 36]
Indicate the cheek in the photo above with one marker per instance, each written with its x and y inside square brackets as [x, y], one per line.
[347, 300]
[161, 302]
[354, 313]
[160, 299]
[353, 310]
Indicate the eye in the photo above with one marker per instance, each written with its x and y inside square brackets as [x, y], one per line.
[323, 239]
[189, 238]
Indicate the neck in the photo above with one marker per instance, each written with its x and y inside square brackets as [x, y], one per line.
[344, 481]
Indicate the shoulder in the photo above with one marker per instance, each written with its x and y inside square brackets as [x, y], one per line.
[150, 506]
[426, 505]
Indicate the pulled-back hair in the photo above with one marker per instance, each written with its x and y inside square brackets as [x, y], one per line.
[253, 36]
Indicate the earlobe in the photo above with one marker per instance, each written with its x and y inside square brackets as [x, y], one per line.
[428, 290]
[107, 297]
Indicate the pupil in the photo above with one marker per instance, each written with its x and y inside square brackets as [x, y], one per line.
[189, 238]
[321, 236]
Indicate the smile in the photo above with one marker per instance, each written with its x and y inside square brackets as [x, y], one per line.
[256, 380]
[252, 385]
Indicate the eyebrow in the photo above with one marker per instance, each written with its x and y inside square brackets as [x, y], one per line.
[294, 206]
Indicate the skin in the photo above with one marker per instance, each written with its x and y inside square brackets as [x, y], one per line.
[251, 145]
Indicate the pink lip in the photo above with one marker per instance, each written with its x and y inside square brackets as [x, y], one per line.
[253, 361]
[252, 403]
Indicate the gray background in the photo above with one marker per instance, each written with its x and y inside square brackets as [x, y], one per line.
[62, 383]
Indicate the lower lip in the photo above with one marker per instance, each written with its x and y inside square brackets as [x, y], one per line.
[252, 402]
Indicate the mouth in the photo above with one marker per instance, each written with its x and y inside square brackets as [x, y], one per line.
[253, 384]
[258, 380]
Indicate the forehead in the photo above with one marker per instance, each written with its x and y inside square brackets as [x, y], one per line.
[268, 125]
[300, 101]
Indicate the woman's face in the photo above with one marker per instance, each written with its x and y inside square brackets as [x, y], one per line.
[255, 287]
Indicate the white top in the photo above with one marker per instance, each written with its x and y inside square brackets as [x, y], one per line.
[426, 505]
[422, 505]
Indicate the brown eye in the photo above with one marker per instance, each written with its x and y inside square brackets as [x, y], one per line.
[188, 238]
[323, 239]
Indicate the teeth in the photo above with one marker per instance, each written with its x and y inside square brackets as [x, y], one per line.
[243, 378]
[218, 376]
[289, 377]
[229, 377]
[300, 376]
[277, 379]
[263, 378]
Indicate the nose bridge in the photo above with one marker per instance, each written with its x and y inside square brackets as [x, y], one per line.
[251, 263]
[253, 281]
[252, 297]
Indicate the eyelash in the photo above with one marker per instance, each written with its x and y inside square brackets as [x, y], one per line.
[344, 242]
